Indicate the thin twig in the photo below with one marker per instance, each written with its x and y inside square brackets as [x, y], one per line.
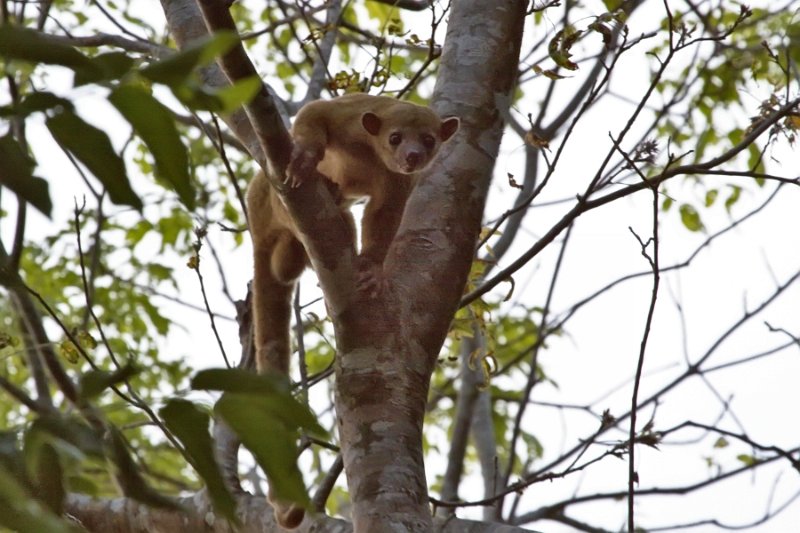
[194, 264]
[653, 260]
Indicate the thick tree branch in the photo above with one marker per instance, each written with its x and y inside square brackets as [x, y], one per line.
[261, 111]
[390, 343]
[117, 41]
[123, 515]
[434, 245]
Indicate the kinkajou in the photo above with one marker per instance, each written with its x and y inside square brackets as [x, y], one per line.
[369, 146]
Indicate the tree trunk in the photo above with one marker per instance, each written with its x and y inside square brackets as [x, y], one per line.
[387, 347]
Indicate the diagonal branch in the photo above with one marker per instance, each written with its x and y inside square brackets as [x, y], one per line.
[324, 46]
[261, 129]
[462, 419]
[253, 511]
[584, 205]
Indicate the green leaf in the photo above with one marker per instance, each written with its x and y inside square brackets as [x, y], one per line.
[16, 173]
[238, 380]
[190, 425]
[136, 233]
[49, 477]
[69, 351]
[748, 460]
[380, 12]
[174, 70]
[71, 435]
[733, 197]
[11, 487]
[223, 100]
[38, 101]
[35, 47]
[735, 136]
[690, 218]
[755, 162]
[197, 98]
[706, 138]
[93, 148]
[257, 422]
[128, 474]
[109, 66]
[238, 94]
[20, 512]
[711, 197]
[721, 442]
[273, 388]
[253, 402]
[95, 382]
[559, 47]
[154, 124]
[83, 485]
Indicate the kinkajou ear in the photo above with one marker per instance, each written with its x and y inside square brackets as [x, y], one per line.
[371, 123]
[449, 127]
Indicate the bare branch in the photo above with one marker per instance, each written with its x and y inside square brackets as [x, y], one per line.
[22, 397]
[253, 512]
[117, 41]
[468, 391]
[320, 73]
[656, 491]
[195, 264]
[33, 325]
[584, 205]
[633, 477]
[326, 486]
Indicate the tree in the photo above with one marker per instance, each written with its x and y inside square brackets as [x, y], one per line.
[87, 379]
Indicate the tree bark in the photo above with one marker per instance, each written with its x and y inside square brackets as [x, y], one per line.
[123, 515]
[387, 347]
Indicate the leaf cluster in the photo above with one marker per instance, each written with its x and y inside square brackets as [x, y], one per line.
[131, 94]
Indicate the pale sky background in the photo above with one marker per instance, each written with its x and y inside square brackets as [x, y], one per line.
[601, 342]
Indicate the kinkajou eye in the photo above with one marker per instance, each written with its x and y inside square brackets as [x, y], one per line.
[395, 139]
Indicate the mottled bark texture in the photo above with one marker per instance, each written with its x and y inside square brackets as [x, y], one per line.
[388, 346]
[123, 515]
